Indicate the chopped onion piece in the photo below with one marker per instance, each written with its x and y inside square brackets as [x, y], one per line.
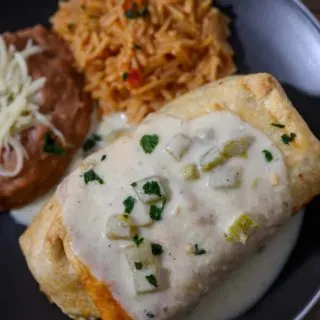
[149, 190]
[204, 135]
[240, 230]
[226, 177]
[237, 147]
[190, 172]
[140, 215]
[178, 146]
[211, 159]
[119, 227]
[147, 266]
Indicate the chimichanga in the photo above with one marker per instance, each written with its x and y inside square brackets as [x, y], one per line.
[145, 227]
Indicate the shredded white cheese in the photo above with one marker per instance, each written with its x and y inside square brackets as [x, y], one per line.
[19, 103]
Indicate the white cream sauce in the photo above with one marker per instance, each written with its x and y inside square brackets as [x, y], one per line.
[247, 284]
[196, 213]
[106, 128]
[26, 214]
[111, 124]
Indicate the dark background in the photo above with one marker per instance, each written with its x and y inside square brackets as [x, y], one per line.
[276, 36]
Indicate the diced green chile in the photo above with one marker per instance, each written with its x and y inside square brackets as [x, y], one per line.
[240, 229]
[190, 172]
[232, 148]
[237, 147]
[211, 159]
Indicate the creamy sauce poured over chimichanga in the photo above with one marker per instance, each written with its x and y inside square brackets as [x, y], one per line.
[219, 187]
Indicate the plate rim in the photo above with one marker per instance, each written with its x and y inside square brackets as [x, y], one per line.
[315, 299]
[308, 14]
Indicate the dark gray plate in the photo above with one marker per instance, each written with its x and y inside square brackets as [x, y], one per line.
[276, 36]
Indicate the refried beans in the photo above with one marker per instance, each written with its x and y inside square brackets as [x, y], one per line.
[63, 100]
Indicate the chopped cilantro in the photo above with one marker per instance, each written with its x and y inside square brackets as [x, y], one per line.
[50, 146]
[156, 212]
[137, 240]
[197, 251]
[286, 139]
[156, 249]
[125, 76]
[150, 315]
[90, 175]
[152, 187]
[134, 12]
[129, 204]
[91, 142]
[277, 125]
[149, 142]
[268, 155]
[152, 280]
[138, 265]
[104, 157]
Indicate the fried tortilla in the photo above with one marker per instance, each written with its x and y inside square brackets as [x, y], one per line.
[214, 216]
